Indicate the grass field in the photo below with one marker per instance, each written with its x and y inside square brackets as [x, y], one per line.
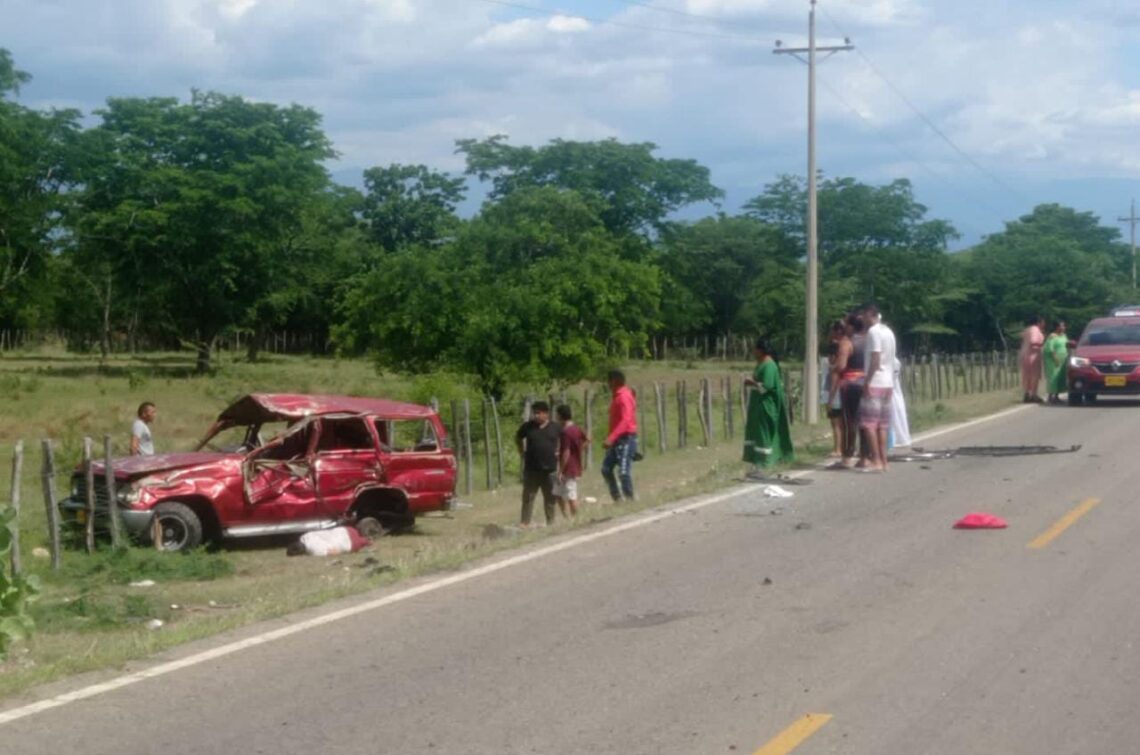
[90, 617]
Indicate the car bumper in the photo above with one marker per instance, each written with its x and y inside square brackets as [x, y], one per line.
[73, 511]
[1091, 381]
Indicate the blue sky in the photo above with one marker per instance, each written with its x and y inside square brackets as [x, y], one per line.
[1043, 96]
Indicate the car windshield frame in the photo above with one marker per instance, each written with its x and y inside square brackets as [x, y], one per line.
[1112, 334]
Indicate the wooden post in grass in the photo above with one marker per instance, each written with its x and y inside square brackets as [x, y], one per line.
[17, 471]
[659, 413]
[51, 504]
[641, 426]
[498, 438]
[468, 454]
[487, 444]
[680, 414]
[456, 436]
[729, 401]
[89, 492]
[702, 412]
[112, 495]
[588, 410]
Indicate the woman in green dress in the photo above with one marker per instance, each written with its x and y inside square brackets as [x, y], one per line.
[767, 434]
[1056, 354]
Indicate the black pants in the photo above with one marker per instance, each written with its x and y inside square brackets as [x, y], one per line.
[535, 480]
[850, 396]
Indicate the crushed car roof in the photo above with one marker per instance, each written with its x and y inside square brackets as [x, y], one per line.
[270, 407]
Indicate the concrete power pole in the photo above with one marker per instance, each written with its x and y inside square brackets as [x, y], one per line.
[811, 351]
[1132, 220]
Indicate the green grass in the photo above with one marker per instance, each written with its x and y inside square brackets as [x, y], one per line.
[90, 617]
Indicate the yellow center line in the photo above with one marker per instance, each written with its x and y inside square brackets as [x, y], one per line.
[1064, 523]
[795, 735]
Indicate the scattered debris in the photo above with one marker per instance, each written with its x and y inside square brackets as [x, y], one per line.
[781, 479]
[174, 606]
[803, 526]
[767, 581]
[776, 512]
[980, 521]
[143, 583]
[591, 499]
[155, 624]
[921, 454]
[775, 491]
[40, 553]
[370, 561]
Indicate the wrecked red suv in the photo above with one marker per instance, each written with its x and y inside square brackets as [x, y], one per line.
[277, 464]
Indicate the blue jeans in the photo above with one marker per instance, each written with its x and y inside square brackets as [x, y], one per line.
[620, 457]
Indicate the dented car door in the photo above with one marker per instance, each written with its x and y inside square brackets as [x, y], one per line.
[278, 479]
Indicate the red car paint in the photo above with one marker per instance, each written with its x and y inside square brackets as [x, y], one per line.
[1106, 361]
[339, 459]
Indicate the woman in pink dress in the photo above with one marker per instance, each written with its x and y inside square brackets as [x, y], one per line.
[1032, 340]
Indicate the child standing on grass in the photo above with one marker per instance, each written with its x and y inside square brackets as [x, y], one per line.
[572, 442]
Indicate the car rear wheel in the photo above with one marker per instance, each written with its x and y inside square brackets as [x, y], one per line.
[177, 527]
[374, 526]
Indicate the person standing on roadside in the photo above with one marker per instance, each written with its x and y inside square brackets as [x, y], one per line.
[875, 410]
[142, 443]
[1032, 340]
[853, 377]
[537, 441]
[621, 443]
[1056, 355]
[838, 355]
[767, 429]
[571, 443]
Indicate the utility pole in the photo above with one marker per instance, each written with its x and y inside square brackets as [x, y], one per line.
[811, 351]
[1132, 220]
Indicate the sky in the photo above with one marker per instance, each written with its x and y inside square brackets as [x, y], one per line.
[990, 107]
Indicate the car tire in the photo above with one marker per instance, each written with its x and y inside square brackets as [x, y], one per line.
[180, 527]
[1075, 399]
[370, 527]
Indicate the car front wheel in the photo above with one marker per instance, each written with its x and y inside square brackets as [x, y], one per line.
[177, 527]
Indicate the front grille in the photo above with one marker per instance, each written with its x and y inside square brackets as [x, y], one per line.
[79, 483]
[1115, 368]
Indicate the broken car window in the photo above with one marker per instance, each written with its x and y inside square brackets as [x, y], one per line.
[348, 434]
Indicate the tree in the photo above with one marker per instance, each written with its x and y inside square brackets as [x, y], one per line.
[535, 289]
[191, 204]
[630, 189]
[36, 149]
[1055, 262]
[713, 268]
[405, 205]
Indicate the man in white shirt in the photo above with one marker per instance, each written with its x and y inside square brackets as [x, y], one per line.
[141, 442]
[875, 410]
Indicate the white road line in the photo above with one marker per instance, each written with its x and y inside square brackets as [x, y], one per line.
[169, 667]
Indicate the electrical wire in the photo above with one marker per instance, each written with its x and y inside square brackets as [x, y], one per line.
[534, 10]
[921, 115]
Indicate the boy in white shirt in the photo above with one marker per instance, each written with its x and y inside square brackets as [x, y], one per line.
[875, 410]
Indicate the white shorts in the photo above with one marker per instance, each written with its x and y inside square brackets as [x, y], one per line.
[567, 490]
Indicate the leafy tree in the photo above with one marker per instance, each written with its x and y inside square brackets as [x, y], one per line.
[630, 189]
[714, 267]
[534, 290]
[405, 205]
[35, 171]
[1055, 262]
[192, 203]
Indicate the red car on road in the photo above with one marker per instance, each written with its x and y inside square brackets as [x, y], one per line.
[284, 463]
[1106, 361]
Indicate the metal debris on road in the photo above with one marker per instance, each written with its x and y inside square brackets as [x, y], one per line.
[921, 454]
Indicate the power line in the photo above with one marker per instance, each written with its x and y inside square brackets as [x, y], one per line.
[922, 116]
[534, 10]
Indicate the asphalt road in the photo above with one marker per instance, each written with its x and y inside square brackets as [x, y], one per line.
[719, 629]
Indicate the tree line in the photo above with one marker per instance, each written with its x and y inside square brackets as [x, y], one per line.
[190, 220]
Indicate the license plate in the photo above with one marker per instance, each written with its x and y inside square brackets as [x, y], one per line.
[81, 516]
[1115, 381]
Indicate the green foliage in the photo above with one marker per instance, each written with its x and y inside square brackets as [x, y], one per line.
[408, 205]
[121, 566]
[16, 591]
[629, 188]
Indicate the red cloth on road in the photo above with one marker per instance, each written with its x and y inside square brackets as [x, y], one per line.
[979, 521]
[623, 414]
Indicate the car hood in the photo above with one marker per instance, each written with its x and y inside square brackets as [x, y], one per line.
[131, 467]
[1128, 354]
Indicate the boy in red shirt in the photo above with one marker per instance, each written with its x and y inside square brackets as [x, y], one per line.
[621, 443]
[572, 442]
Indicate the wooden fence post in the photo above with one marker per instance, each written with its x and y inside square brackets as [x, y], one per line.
[50, 503]
[487, 444]
[17, 471]
[89, 489]
[468, 455]
[702, 412]
[498, 439]
[680, 414]
[642, 428]
[112, 499]
[659, 410]
[588, 409]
